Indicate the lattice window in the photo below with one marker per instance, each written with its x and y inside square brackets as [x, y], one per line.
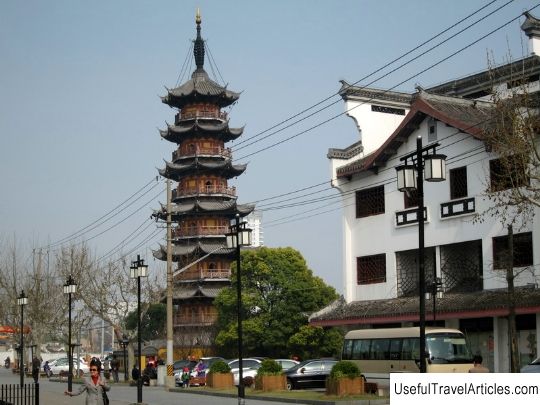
[461, 266]
[458, 183]
[407, 271]
[370, 202]
[523, 250]
[371, 269]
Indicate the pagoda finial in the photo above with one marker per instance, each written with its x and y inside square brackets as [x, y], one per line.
[198, 49]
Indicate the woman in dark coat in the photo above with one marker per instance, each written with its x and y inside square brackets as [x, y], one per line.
[93, 385]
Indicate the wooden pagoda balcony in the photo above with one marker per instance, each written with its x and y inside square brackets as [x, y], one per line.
[184, 192]
[200, 151]
[200, 230]
[191, 115]
[205, 274]
[195, 319]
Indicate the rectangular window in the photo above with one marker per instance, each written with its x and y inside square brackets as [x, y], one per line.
[370, 202]
[380, 349]
[458, 183]
[523, 250]
[371, 269]
[508, 172]
[411, 198]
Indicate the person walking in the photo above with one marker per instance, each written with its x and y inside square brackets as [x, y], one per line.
[94, 386]
[36, 365]
[115, 366]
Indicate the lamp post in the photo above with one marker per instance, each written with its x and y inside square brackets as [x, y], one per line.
[410, 176]
[22, 300]
[239, 236]
[70, 288]
[124, 342]
[139, 269]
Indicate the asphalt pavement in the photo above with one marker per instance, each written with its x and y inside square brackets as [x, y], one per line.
[52, 392]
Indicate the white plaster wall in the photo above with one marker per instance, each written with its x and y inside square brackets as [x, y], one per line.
[374, 127]
[378, 234]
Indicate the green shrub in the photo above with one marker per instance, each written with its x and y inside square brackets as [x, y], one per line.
[345, 368]
[270, 367]
[220, 367]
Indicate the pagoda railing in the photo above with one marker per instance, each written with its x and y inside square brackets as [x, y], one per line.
[206, 274]
[213, 151]
[200, 230]
[195, 319]
[190, 115]
[182, 192]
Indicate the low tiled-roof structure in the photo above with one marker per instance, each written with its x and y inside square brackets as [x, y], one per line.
[449, 306]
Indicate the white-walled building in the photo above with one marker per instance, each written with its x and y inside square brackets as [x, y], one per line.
[380, 225]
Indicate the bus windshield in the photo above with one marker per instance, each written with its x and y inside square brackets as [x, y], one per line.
[447, 348]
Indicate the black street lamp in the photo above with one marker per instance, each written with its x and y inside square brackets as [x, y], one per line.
[22, 300]
[124, 342]
[239, 236]
[411, 177]
[70, 288]
[139, 269]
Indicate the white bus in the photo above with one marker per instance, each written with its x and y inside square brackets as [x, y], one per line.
[379, 352]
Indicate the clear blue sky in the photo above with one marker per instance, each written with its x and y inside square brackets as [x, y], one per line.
[79, 87]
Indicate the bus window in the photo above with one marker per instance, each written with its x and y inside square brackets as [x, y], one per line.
[347, 349]
[395, 349]
[379, 349]
[361, 349]
[410, 349]
[448, 348]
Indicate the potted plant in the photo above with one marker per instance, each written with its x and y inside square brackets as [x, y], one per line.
[345, 379]
[270, 376]
[219, 375]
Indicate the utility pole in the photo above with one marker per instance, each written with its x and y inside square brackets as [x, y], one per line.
[170, 336]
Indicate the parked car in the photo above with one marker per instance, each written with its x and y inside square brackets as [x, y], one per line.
[61, 366]
[180, 364]
[532, 367]
[249, 368]
[287, 363]
[309, 374]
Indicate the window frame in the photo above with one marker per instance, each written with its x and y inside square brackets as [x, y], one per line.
[370, 202]
[458, 182]
[376, 260]
[523, 250]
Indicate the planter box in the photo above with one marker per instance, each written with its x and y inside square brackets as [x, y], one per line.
[345, 386]
[220, 380]
[271, 382]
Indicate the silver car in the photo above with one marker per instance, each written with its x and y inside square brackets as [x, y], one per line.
[533, 367]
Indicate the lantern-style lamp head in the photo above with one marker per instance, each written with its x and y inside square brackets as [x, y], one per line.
[406, 177]
[70, 287]
[138, 269]
[435, 167]
[22, 299]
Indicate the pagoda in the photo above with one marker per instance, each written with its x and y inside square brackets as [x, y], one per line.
[202, 204]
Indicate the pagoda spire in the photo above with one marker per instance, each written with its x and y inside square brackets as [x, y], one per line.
[198, 49]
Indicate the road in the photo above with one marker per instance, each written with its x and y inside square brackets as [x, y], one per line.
[53, 393]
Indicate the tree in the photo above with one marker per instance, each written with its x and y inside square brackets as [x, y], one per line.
[152, 322]
[314, 341]
[279, 292]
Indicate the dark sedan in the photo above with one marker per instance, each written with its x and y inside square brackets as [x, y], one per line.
[309, 374]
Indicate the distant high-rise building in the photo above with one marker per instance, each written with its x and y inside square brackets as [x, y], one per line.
[254, 222]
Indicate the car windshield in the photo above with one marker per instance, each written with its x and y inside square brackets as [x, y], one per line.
[448, 348]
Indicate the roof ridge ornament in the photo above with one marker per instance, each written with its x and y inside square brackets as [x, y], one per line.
[198, 48]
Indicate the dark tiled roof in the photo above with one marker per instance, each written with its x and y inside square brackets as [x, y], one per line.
[196, 249]
[191, 291]
[349, 91]
[177, 133]
[223, 167]
[200, 88]
[468, 116]
[229, 208]
[531, 25]
[450, 306]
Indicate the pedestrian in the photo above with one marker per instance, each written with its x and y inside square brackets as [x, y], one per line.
[115, 366]
[36, 365]
[477, 365]
[95, 387]
[106, 369]
[47, 369]
[135, 373]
